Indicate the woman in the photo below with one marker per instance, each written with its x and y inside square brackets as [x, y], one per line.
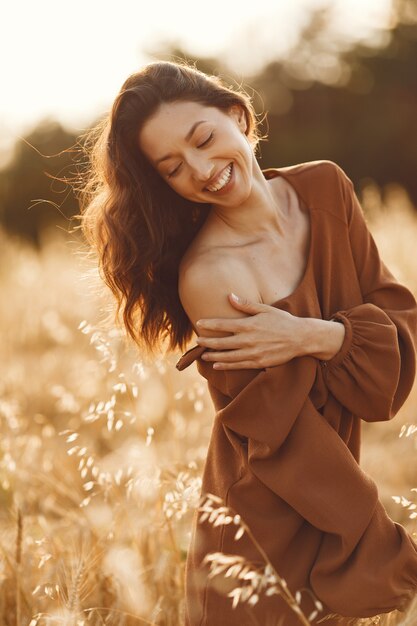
[182, 216]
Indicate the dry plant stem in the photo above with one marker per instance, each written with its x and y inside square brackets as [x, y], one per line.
[141, 620]
[120, 612]
[8, 559]
[287, 595]
[44, 478]
[19, 538]
[177, 554]
[74, 600]
[171, 534]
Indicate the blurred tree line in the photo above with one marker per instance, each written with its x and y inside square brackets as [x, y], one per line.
[356, 107]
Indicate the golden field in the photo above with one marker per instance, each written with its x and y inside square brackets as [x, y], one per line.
[102, 450]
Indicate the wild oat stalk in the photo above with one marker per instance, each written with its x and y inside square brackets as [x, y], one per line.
[74, 597]
[266, 579]
[19, 539]
[353, 621]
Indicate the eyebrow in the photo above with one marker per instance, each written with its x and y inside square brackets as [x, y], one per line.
[187, 138]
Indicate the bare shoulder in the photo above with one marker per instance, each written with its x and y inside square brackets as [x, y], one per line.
[204, 282]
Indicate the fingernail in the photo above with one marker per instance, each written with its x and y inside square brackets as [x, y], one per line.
[235, 297]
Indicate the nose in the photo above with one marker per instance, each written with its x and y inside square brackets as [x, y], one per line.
[202, 171]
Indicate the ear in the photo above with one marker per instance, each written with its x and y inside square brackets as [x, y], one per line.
[237, 112]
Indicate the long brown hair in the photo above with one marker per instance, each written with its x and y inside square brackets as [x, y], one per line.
[135, 223]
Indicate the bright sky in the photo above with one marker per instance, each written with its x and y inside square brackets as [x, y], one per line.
[70, 60]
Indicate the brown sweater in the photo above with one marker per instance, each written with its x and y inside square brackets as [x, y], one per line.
[285, 442]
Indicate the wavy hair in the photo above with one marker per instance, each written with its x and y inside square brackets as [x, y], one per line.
[135, 223]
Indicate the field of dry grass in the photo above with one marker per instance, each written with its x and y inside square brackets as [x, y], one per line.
[102, 450]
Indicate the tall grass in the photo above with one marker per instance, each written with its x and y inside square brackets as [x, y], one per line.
[102, 451]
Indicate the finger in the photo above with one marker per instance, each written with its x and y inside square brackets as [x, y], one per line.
[220, 343]
[217, 356]
[227, 324]
[244, 304]
[229, 356]
[240, 365]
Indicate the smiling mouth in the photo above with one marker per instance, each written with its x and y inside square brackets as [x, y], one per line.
[222, 181]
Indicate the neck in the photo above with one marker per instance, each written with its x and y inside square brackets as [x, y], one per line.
[261, 214]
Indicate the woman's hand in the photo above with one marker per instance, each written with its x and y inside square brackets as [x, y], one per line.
[267, 337]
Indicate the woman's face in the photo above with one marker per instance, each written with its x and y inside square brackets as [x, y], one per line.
[192, 146]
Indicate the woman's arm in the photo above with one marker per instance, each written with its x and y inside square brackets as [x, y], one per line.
[263, 335]
[373, 372]
[322, 339]
[295, 452]
[203, 287]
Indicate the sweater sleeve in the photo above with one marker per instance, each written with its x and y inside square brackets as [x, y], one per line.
[373, 372]
[291, 444]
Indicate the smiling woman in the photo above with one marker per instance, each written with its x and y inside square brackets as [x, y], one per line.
[181, 214]
[157, 164]
[220, 132]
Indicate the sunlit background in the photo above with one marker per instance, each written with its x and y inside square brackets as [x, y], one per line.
[69, 64]
[101, 450]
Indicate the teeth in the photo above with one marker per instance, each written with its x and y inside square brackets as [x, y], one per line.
[223, 180]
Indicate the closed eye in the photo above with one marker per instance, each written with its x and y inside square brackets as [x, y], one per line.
[207, 141]
[211, 136]
[170, 175]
